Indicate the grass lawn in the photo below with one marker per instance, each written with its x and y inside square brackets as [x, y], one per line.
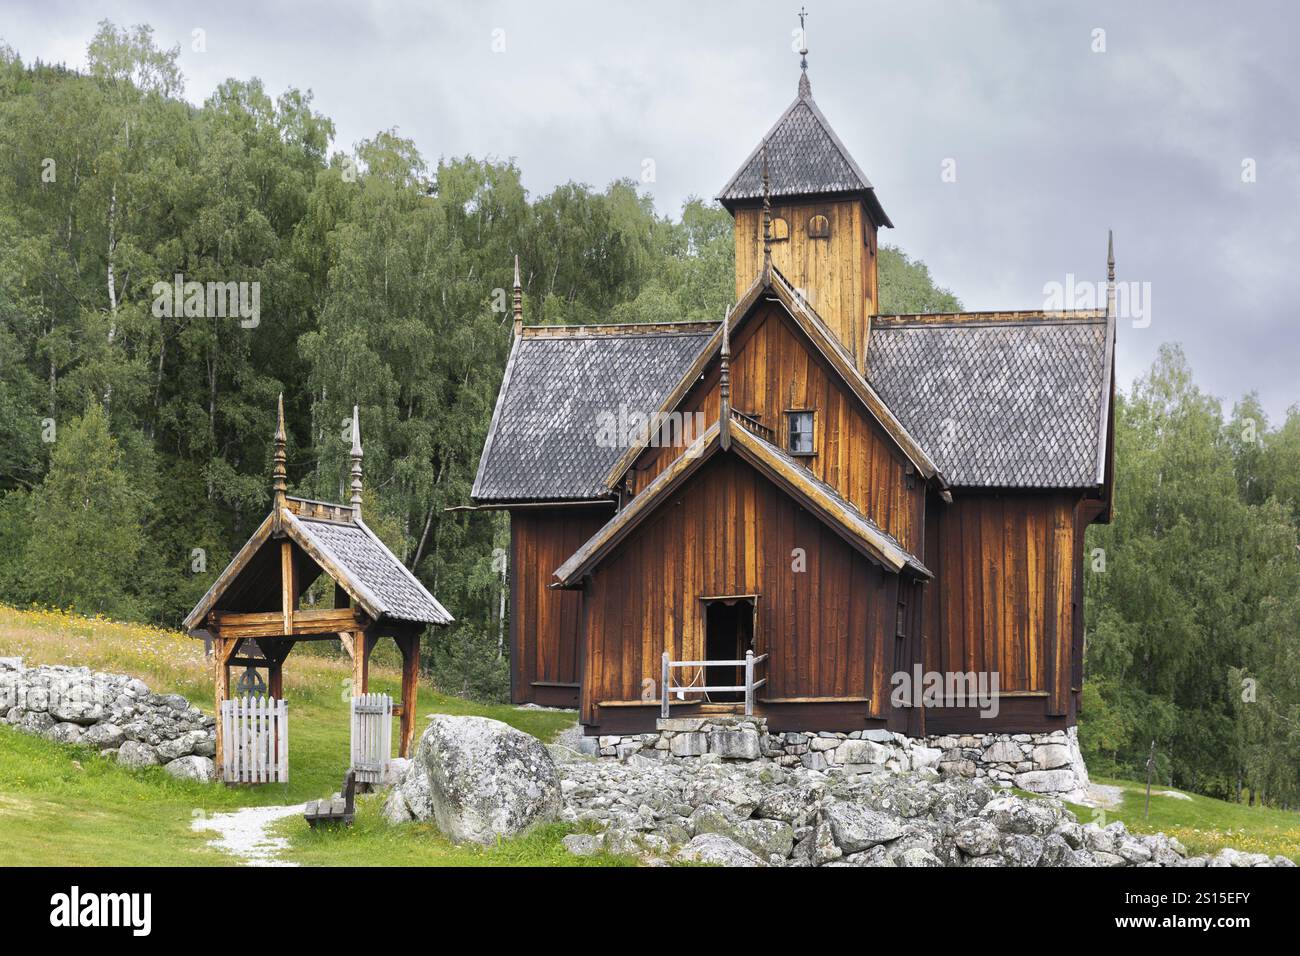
[66, 805]
[1203, 824]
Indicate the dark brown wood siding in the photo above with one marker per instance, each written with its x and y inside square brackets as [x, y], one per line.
[773, 370]
[1006, 572]
[545, 623]
[729, 531]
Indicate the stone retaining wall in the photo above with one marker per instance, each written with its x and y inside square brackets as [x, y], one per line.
[1042, 763]
[116, 714]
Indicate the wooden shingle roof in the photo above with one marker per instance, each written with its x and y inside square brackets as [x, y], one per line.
[804, 158]
[543, 442]
[1000, 400]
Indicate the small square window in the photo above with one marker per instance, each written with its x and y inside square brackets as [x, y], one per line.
[800, 433]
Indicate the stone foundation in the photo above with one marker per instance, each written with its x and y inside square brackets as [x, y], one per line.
[1042, 763]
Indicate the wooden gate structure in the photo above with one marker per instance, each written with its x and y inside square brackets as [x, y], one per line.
[256, 732]
[253, 615]
[372, 736]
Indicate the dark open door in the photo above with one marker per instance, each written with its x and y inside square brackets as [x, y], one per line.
[728, 634]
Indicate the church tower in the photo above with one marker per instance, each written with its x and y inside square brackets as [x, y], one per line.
[824, 219]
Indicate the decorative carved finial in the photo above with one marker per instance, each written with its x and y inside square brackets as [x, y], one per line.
[767, 217]
[519, 302]
[724, 384]
[1110, 272]
[279, 477]
[356, 462]
[805, 88]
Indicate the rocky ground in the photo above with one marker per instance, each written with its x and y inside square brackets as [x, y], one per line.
[480, 779]
[117, 715]
[735, 814]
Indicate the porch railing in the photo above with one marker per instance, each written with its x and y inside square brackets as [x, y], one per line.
[750, 662]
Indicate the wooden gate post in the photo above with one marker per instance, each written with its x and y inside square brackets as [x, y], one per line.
[221, 685]
[409, 644]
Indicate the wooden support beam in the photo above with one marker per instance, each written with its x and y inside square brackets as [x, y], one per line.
[223, 649]
[271, 624]
[275, 653]
[288, 584]
[359, 644]
[409, 644]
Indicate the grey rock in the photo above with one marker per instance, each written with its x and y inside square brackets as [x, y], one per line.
[716, 849]
[582, 844]
[977, 836]
[486, 779]
[103, 736]
[192, 767]
[735, 744]
[857, 827]
[132, 753]
[64, 733]
[689, 745]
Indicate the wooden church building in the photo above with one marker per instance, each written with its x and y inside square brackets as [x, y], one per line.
[253, 613]
[865, 495]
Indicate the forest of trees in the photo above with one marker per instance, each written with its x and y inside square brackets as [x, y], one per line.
[135, 447]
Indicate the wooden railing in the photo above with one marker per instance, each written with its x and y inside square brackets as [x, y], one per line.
[754, 425]
[749, 663]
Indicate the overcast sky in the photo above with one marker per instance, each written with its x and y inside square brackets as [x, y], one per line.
[1052, 141]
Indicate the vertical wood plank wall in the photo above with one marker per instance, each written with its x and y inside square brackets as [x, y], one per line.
[774, 370]
[729, 531]
[544, 623]
[837, 274]
[1007, 564]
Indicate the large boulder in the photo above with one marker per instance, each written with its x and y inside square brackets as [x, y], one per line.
[485, 778]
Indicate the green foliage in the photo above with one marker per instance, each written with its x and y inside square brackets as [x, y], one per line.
[907, 287]
[84, 518]
[1192, 627]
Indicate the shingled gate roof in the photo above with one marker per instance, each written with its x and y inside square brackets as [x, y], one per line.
[804, 158]
[393, 590]
[542, 443]
[343, 547]
[1000, 403]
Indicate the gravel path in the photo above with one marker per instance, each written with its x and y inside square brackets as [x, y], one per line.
[243, 834]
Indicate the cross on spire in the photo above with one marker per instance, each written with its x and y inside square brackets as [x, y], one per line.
[805, 88]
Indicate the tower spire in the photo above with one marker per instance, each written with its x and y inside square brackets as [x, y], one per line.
[518, 306]
[1110, 273]
[805, 88]
[356, 462]
[724, 385]
[278, 475]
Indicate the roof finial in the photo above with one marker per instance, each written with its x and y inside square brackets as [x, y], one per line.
[519, 302]
[278, 474]
[805, 88]
[767, 217]
[356, 462]
[724, 384]
[1110, 272]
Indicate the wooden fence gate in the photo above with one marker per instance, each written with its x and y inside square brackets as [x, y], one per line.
[372, 736]
[256, 738]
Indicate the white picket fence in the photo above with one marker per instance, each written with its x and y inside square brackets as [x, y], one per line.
[372, 736]
[255, 731]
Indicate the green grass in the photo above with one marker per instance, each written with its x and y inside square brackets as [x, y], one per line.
[62, 805]
[1203, 825]
[371, 842]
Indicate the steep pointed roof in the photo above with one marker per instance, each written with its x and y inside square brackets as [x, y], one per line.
[819, 498]
[804, 158]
